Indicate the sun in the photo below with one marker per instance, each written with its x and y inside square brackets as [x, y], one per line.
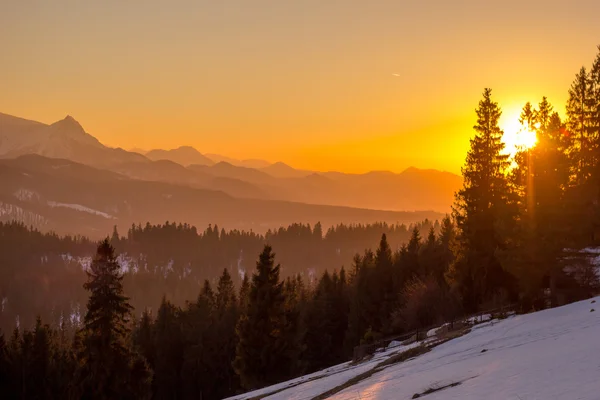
[516, 136]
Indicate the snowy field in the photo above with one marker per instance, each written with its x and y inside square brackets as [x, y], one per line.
[552, 354]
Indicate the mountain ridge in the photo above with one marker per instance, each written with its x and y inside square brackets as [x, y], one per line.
[69, 197]
[411, 189]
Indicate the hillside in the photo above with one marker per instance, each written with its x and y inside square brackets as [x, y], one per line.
[545, 355]
[69, 197]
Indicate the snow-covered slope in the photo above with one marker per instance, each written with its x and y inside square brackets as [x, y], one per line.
[552, 354]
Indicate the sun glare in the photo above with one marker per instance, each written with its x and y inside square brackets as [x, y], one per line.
[516, 136]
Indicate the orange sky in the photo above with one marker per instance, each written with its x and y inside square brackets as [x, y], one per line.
[344, 85]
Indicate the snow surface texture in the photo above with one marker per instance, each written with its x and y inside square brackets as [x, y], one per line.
[552, 354]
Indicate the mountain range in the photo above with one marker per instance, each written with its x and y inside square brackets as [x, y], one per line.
[35, 155]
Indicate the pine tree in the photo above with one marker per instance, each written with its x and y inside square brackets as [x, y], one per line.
[167, 352]
[447, 240]
[225, 296]
[364, 303]
[541, 178]
[227, 316]
[198, 332]
[40, 363]
[484, 212]
[244, 293]
[106, 364]
[356, 322]
[319, 337]
[410, 258]
[579, 126]
[429, 256]
[64, 363]
[260, 356]
[595, 99]
[5, 368]
[382, 290]
[294, 310]
[143, 337]
[16, 362]
[594, 134]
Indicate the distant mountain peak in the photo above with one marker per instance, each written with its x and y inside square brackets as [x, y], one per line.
[281, 164]
[184, 155]
[187, 148]
[68, 125]
[224, 164]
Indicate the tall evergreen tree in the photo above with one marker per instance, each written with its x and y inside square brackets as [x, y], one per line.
[226, 339]
[106, 363]
[244, 293]
[484, 211]
[198, 332]
[579, 126]
[5, 368]
[541, 178]
[382, 285]
[595, 98]
[260, 356]
[168, 352]
[319, 337]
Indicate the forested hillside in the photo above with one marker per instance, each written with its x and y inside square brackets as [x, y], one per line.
[171, 260]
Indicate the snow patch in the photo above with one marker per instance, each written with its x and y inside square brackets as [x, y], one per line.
[26, 195]
[12, 212]
[79, 207]
[84, 262]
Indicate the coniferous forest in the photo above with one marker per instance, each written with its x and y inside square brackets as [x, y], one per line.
[166, 312]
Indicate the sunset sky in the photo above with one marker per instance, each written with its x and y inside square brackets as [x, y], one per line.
[349, 85]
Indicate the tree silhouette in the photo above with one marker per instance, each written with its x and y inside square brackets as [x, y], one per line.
[107, 366]
[484, 211]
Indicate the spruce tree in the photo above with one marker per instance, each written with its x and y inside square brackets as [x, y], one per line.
[357, 323]
[484, 212]
[382, 289]
[595, 99]
[5, 368]
[199, 334]
[410, 258]
[244, 293]
[541, 177]
[447, 240]
[319, 338]
[579, 125]
[40, 363]
[106, 363]
[226, 339]
[167, 352]
[260, 356]
[225, 296]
